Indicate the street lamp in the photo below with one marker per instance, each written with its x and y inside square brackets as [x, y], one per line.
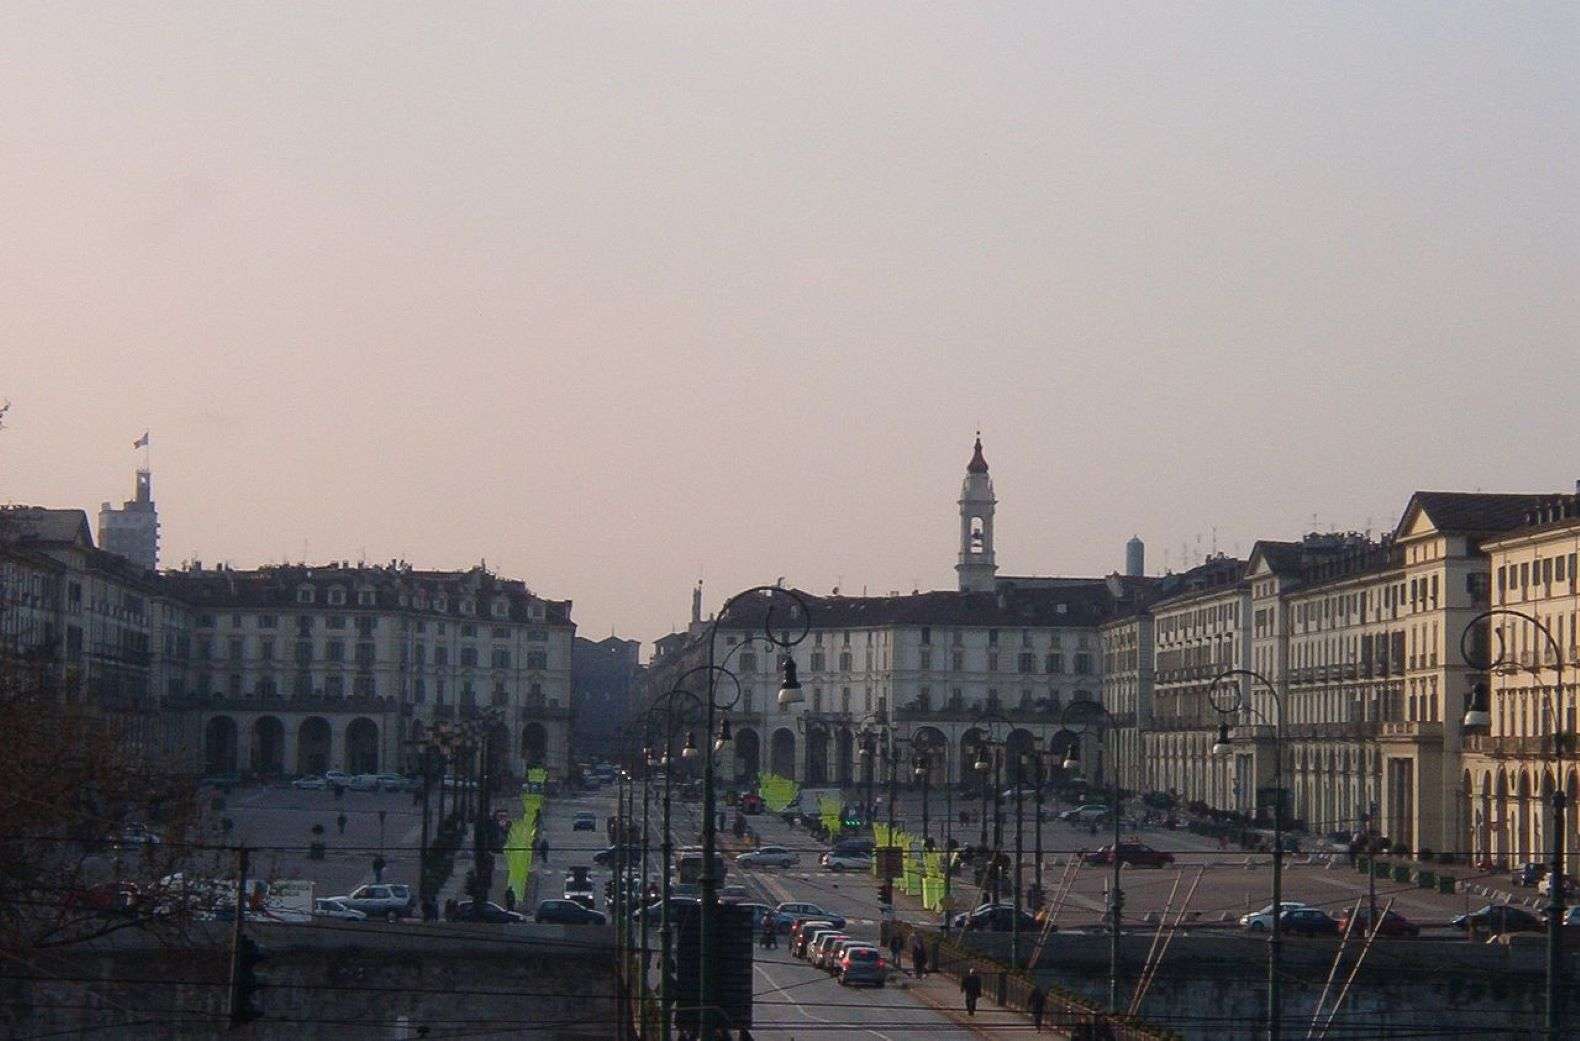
[1098, 715]
[665, 707]
[1478, 715]
[790, 693]
[1232, 703]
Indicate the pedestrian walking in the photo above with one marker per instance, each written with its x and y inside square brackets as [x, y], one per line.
[340, 822]
[896, 945]
[510, 899]
[1037, 1003]
[543, 848]
[971, 987]
[919, 956]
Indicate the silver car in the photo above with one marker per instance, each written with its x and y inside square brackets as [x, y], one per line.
[769, 856]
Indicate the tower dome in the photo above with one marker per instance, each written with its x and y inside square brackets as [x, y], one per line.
[976, 566]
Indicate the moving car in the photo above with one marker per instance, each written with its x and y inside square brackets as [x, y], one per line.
[1136, 854]
[568, 912]
[1499, 918]
[1391, 923]
[1262, 921]
[310, 783]
[769, 856]
[787, 913]
[487, 912]
[833, 952]
[336, 909]
[1528, 873]
[389, 902]
[1091, 813]
[995, 918]
[608, 857]
[834, 860]
[1310, 921]
[579, 887]
[862, 964]
[585, 821]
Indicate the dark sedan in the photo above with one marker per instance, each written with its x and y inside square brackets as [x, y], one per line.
[487, 912]
[567, 912]
[1390, 924]
[1500, 918]
[1136, 854]
[996, 918]
[1310, 921]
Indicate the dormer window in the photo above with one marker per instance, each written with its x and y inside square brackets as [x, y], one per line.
[535, 611]
[467, 606]
[422, 600]
[304, 594]
[501, 608]
[441, 603]
[337, 596]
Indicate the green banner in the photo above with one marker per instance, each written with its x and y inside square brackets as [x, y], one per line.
[777, 792]
[829, 808]
[519, 843]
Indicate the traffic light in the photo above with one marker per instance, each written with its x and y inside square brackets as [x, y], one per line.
[245, 983]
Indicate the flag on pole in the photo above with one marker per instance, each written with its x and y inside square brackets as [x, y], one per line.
[141, 442]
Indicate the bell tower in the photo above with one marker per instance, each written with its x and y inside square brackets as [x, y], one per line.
[976, 567]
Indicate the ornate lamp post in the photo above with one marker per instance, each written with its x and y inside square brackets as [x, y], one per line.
[1096, 713]
[664, 708]
[1478, 716]
[1230, 700]
[871, 728]
[990, 764]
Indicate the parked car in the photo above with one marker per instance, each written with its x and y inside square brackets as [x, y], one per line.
[394, 782]
[861, 847]
[390, 902]
[1091, 813]
[568, 912]
[1528, 874]
[335, 908]
[1391, 923]
[365, 783]
[310, 783]
[1262, 921]
[337, 777]
[1571, 916]
[862, 964]
[995, 918]
[802, 932]
[1310, 921]
[104, 898]
[585, 821]
[488, 911]
[835, 860]
[1499, 918]
[1136, 854]
[1545, 886]
[786, 914]
[769, 856]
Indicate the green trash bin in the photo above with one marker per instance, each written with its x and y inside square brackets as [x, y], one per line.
[1445, 884]
[1426, 879]
[1401, 872]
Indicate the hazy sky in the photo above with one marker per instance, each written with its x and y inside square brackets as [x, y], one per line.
[620, 296]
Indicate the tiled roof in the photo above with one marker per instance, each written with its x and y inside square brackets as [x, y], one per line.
[1084, 604]
[1473, 512]
[39, 524]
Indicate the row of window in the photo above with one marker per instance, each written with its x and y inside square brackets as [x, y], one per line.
[333, 685]
[365, 625]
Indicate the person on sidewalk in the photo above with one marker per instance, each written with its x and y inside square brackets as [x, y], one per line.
[896, 946]
[971, 986]
[1036, 1004]
[341, 822]
[919, 955]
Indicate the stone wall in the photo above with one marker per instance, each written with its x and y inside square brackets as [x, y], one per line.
[335, 982]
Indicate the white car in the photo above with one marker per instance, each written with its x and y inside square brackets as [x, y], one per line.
[334, 908]
[366, 783]
[312, 782]
[845, 861]
[769, 856]
[339, 777]
[1262, 921]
